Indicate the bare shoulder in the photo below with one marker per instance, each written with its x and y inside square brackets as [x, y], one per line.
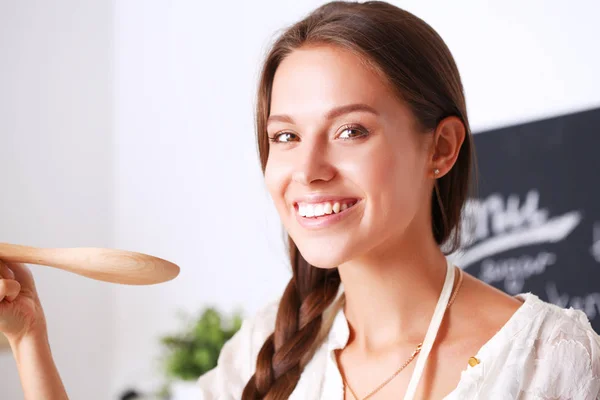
[482, 306]
[486, 300]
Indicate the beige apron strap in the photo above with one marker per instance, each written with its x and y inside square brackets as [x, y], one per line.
[432, 331]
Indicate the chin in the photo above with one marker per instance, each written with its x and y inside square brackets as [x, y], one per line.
[322, 257]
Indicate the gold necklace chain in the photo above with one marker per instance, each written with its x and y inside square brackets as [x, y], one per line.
[413, 355]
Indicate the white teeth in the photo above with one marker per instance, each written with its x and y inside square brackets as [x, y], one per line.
[320, 209]
[302, 209]
[336, 208]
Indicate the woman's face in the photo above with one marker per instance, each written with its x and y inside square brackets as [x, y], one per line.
[347, 170]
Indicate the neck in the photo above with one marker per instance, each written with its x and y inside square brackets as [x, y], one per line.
[391, 295]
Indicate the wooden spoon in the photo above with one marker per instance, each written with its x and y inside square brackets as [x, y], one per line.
[109, 265]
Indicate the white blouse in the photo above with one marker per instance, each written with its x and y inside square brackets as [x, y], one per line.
[542, 352]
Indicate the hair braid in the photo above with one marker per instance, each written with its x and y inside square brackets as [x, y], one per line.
[279, 363]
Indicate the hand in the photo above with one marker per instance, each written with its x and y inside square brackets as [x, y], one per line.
[21, 312]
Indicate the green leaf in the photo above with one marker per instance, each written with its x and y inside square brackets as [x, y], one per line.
[195, 349]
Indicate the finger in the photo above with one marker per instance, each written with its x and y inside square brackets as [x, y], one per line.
[6, 272]
[9, 289]
[22, 274]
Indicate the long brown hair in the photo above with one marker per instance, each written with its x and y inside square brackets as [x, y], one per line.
[416, 62]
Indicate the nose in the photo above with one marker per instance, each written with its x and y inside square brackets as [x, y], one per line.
[312, 164]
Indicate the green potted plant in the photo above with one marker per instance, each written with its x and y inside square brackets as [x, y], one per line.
[195, 349]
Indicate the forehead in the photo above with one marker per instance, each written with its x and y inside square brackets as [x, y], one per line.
[312, 80]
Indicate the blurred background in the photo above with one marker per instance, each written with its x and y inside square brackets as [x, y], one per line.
[129, 124]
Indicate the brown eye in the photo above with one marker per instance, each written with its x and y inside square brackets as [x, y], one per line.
[352, 132]
[284, 137]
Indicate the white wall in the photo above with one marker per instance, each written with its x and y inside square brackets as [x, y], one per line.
[56, 167]
[187, 185]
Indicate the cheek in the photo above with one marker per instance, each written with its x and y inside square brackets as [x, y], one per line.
[276, 181]
[392, 179]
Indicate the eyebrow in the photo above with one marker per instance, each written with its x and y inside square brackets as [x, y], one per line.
[333, 113]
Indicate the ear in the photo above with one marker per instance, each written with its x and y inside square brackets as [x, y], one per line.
[448, 138]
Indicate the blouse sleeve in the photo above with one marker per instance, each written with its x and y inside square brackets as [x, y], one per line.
[568, 361]
[237, 360]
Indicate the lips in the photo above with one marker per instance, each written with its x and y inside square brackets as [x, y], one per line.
[322, 212]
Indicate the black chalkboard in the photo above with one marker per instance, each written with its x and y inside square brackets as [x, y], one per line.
[534, 225]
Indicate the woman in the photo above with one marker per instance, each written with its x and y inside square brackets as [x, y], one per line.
[366, 150]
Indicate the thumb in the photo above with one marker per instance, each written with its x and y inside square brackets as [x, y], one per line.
[9, 289]
[19, 272]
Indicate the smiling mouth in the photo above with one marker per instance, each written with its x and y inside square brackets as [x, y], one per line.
[318, 210]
